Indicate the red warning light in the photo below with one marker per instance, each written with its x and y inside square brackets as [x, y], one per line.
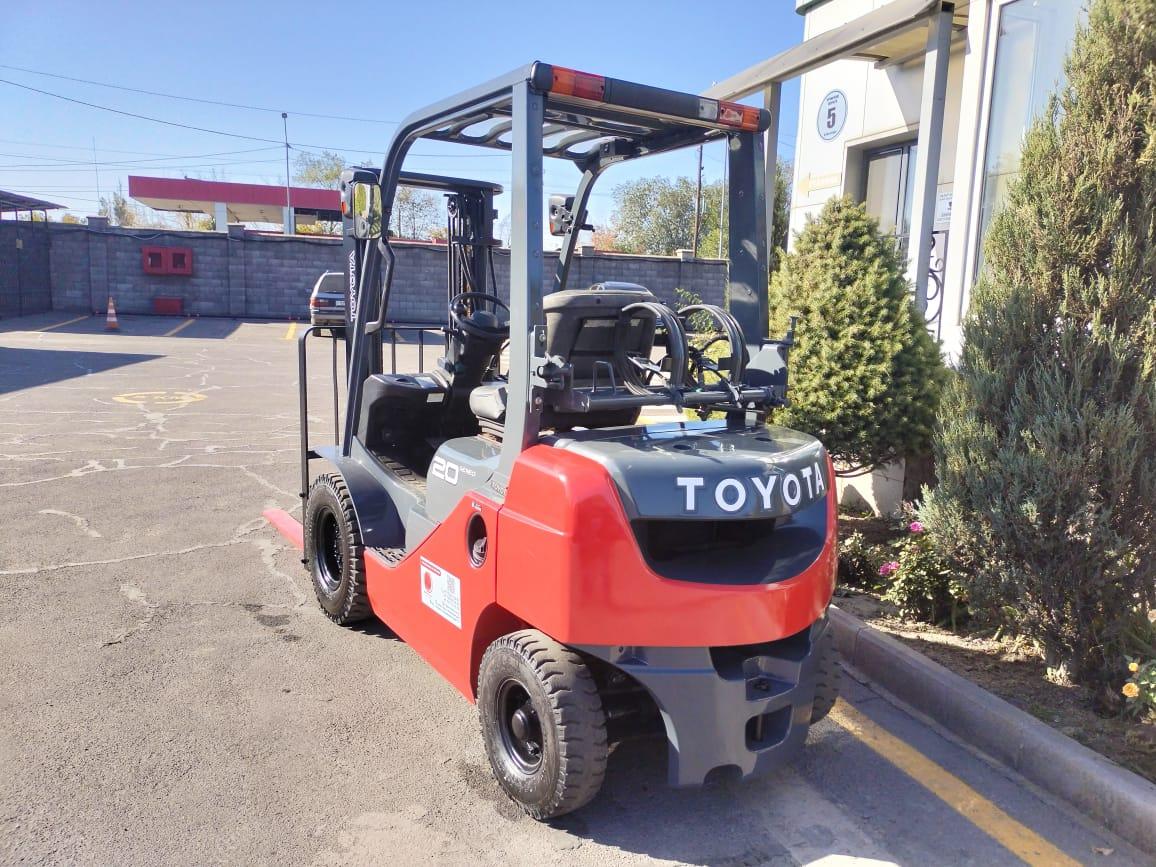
[571, 82]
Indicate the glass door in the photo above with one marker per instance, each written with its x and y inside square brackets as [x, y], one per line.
[889, 185]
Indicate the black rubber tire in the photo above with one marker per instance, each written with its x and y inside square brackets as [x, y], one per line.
[828, 678]
[334, 555]
[571, 723]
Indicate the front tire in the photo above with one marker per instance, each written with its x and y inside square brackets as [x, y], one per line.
[542, 723]
[334, 555]
[828, 678]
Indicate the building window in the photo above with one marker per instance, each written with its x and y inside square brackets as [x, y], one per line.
[1032, 41]
[889, 185]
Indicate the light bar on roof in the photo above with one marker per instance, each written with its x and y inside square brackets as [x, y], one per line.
[609, 91]
[738, 115]
[583, 85]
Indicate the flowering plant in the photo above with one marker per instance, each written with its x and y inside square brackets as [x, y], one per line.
[1140, 689]
[923, 584]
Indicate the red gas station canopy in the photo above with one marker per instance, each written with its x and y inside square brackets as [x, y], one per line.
[246, 203]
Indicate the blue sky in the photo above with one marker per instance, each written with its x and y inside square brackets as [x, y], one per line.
[375, 61]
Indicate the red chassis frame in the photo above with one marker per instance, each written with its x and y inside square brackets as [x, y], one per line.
[563, 559]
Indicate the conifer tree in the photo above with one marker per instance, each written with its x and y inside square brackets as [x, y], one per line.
[865, 373]
[1047, 453]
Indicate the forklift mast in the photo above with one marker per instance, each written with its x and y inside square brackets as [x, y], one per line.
[469, 237]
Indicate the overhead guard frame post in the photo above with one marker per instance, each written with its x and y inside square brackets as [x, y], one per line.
[570, 242]
[523, 409]
[747, 280]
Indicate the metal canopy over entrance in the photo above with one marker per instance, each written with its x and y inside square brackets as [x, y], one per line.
[900, 31]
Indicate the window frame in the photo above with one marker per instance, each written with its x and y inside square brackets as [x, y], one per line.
[903, 147]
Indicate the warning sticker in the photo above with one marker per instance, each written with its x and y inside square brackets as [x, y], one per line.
[441, 591]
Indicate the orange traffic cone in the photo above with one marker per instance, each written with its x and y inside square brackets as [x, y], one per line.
[110, 323]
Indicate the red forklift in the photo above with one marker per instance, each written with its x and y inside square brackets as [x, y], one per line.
[583, 577]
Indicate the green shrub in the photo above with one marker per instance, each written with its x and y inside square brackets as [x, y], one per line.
[865, 374]
[924, 586]
[1047, 455]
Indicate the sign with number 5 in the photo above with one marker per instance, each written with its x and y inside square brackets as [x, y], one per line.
[832, 115]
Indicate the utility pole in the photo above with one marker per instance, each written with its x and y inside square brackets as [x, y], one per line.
[96, 170]
[288, 227]
[722, 199]
[697, 205]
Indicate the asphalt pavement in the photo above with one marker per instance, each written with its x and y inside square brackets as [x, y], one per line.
[170, 692]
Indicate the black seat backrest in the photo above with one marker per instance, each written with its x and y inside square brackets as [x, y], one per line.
[582, 325]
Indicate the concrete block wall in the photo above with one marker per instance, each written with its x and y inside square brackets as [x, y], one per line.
[279, 272]
[241, 273]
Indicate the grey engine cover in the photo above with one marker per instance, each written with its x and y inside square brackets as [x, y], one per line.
[698, 470]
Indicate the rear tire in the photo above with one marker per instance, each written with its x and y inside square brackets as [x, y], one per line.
[334, 555]
[542, 723]
[828, 678]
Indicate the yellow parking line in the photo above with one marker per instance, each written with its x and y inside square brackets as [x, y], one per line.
[1021, 841]
[292, 332]
[180, 327]
[62, 324]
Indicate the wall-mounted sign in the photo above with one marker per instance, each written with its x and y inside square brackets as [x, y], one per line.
[832, 115]
[943, 210]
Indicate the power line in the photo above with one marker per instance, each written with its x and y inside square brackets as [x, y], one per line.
[63, 161]
[294, 145]
[81, 167]
[85, 148]
[195, 98]
[139, 116]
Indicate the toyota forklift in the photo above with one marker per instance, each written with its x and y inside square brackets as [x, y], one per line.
[583, 576]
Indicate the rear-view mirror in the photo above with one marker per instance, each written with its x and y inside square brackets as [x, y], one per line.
[362, 202]
[561, 214]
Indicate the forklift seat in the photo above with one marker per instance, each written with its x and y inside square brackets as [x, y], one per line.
[399, 410]
[581, 328]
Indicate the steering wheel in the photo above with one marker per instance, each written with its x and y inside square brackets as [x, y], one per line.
[468, 317]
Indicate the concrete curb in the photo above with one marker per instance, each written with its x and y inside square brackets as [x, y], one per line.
[1120, 800]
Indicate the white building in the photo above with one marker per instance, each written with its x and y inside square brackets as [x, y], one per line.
[917, 108]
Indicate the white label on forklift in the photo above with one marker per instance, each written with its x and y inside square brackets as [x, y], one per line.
[441, 591]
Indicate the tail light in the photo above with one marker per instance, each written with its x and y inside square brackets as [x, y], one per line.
[583, 85]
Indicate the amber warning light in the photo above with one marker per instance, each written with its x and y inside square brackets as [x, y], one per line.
[741, 116]
[583, 85]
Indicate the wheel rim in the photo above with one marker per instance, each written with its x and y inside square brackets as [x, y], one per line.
[519, 726]
[330, 555]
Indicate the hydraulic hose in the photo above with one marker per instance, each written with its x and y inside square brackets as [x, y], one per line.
[734, 335]
[632, 368]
